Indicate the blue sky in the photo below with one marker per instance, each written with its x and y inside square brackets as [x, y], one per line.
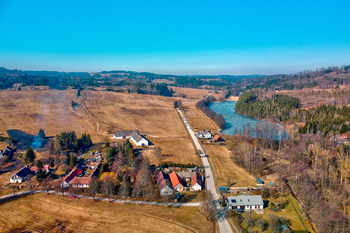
[174, 37]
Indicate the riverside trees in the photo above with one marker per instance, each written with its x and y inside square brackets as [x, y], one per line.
[314, 169]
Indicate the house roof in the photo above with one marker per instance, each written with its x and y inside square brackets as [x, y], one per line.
[96, 171]
[223, 188]
[7, 151]
[163, 180]
[80, 180]
[77, 170]
[129, 133]
[218, 138]
[185, 175]
[245, 200]
[125, 133]
[259, 181]
[196, 179]
[175, 179]
[136, 136]
[24, 172]
[33, 168]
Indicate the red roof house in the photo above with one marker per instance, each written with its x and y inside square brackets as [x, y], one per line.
[176, 181]
[77, 170]
[196, 182]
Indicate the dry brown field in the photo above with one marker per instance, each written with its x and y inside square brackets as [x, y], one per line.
[97, 113]
[54, 213]
[198, 120]
[192, 93]
[222, 165]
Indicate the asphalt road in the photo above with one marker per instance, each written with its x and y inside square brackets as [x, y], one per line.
[221, 212]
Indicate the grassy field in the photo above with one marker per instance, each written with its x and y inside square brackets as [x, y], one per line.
[288, 213]
[192, 93]
[54, 213]
[219, 156]
[97, 113]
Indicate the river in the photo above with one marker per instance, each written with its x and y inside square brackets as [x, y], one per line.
[235, 122]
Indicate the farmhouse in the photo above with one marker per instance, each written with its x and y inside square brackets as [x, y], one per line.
[77, 170]
[83, 182]
[133, 135]
[217, 138]
[196, 182]
[176, 181]
[204, 134]
[7, 151]
[80, 182]
[245, 202]
[164, 184]
[21, 175]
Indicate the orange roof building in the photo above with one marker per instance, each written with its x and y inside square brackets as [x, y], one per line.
[176, 181]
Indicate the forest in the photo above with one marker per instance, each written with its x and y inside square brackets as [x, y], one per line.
[313, 169]
[279, 108]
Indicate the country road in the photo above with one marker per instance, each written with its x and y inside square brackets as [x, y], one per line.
[221, 212]
[170, 204]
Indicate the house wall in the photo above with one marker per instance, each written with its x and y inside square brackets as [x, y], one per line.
[16, 179]
[120, 137]
[196, 187]
[179, 188]
[166, 191]
[142, 141]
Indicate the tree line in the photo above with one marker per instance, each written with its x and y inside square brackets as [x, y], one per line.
[203, 106]
[314, 169]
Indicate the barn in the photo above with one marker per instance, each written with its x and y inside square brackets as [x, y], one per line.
[133, 135]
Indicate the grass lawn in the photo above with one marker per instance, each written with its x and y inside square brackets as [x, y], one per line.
[55, 213]
[288, 213]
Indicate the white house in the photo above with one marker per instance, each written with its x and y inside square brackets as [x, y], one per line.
[248, 202]
[21, 175]
[196, 182]
[133, 135]
[204, 134]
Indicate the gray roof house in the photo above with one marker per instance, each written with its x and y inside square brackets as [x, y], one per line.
[248, 202]
[164, 184]
[133, 135]
[21, 175]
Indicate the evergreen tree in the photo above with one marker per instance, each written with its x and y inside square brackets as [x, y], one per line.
[73, 161]
[107, 144]
[30, 156]
[40, 174]
[41, 134]
[175, 104]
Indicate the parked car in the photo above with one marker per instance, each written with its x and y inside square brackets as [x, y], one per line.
[72, 196]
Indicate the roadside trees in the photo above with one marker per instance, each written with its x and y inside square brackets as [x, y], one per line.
[94, 187]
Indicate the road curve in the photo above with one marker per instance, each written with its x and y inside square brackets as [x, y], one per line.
[220, 213]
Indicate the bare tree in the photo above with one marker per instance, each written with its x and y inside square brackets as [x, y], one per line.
[29, 179]
[94, 187]
[46, 185]
[107, 187]
[208, 205]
